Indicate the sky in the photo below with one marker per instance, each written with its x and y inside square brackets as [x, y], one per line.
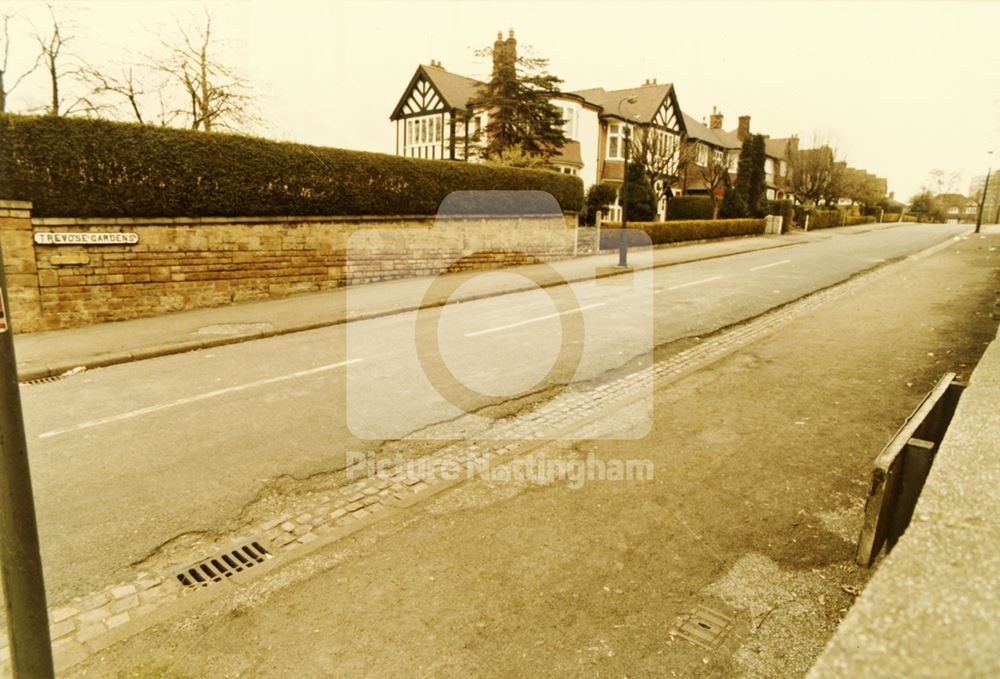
[899, 88]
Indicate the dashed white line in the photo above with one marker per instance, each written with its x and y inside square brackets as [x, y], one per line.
[198, 397]
[534, 320]
[768, 266]
[688, 285]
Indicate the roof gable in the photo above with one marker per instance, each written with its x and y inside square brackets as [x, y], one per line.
[434, 90]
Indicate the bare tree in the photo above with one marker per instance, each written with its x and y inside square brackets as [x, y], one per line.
[715, 174]
[663, 158]
[215, 96]
[5, 90]
[812, 172]
[101, 85]
[52, 50]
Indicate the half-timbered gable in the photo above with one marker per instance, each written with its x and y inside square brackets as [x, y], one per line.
[435, 117]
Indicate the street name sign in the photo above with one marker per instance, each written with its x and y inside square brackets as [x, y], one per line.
[88, 238]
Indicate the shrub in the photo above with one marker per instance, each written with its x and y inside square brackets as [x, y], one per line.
[824, 219]
[686, 208]
[639, 195]
[675, 232]
[599, 196]
[864, 219]
[784, 209]
[96, 168]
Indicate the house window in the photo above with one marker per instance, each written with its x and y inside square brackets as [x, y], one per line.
[719, 157]
[953, 210]
[477, 127]
[616, 142]
[570, 120]
[702, 154]
[734, 160]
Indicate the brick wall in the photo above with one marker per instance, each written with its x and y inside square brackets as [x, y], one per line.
[182, 264]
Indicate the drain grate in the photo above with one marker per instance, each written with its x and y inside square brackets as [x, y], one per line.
[705, 627]
[43, 380]
[225, 565]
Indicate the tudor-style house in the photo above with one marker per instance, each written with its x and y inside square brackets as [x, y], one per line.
[438, 118]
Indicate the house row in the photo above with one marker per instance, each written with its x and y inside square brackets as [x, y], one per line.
[437, 118]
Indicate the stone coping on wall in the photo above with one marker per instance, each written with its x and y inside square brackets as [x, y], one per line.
[159, 221]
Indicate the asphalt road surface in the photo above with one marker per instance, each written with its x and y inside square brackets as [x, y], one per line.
[127, 457]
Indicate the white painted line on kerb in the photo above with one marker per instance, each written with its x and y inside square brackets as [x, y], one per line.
[199, 397]
[768, 266]
[688, 285]
[534, 320]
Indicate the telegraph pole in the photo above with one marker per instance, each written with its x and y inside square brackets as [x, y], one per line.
[623, 238]
[20, 557]
[982, 201]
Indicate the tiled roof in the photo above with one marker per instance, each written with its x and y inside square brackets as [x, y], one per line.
[777, 148]
[457, 90]
[719, 138]
[569, 154]
[649, 98]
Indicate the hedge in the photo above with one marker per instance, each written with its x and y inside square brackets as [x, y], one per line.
[864, 219]
[824, 219]
[675, 232]
[687, 208]
[71, 167]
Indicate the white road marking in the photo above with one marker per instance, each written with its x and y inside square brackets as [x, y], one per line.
[534, 320]
[768, 266]
[199, 397]
[688, 285]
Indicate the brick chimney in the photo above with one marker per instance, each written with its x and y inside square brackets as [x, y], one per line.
[504, 52]
[715, 120]
[793, 143]
[743, 131]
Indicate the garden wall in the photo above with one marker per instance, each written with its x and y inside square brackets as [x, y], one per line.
[186, 263]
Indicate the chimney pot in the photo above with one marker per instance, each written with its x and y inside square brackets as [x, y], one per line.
[715, 120]
[510, 33]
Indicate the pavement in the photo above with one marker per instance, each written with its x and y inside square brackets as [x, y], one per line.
[50, 353]
[762, 442]
[932, 608]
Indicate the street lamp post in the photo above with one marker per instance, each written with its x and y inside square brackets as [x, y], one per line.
[622, 236]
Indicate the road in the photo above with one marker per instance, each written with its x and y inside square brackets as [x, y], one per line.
[761, 463]
[127, 457]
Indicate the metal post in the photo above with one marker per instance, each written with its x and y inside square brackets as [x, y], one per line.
[982, 201]
[623, 237]
[20, 557]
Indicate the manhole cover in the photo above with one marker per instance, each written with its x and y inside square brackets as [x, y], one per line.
[234, 329]
[223, 566]
[704, 626]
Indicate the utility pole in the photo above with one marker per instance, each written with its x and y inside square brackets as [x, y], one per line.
[982, 201]
[20, 557]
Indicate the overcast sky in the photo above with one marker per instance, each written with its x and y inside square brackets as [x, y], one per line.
[899, 88]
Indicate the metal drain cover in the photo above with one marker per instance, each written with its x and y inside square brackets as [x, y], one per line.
[225, 565]
[704, 626]
[44, 380]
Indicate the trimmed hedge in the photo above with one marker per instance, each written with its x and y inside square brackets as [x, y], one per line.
[824, 219]
[70, 167]
[688, 208]
[864, 219]
[675, 232]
